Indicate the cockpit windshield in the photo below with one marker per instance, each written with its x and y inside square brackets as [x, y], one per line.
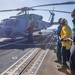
[11, 22]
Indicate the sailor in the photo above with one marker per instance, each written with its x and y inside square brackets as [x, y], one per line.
[72, 57]
[66, 44]
[58, 52]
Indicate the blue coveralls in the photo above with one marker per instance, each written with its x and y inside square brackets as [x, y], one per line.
[58, 44]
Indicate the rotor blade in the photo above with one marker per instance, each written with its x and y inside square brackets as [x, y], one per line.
[30, 8]
[9, 10]
[6, 10]
[54, 11]
[64, 3]
[21, 9]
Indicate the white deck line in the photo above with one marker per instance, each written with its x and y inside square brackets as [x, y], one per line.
[41, 62]
[15, 63]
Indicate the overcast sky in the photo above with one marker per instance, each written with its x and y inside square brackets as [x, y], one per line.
[13, 4]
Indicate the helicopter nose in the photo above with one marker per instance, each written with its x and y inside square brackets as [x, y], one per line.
[2, 32]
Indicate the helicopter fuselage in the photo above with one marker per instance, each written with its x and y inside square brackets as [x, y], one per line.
[16, 26]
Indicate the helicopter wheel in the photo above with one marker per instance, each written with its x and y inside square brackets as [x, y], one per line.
[39, 32]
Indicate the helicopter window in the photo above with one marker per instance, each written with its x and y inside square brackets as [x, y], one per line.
[17, 22]
[3, 22]
[9, 23]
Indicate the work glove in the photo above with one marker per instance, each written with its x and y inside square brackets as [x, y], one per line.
[61, 39]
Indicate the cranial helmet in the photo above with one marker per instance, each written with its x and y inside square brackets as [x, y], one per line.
[64, 21]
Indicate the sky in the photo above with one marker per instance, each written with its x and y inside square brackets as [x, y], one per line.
[13, 4]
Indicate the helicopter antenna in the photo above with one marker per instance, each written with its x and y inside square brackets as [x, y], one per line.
[51, 13]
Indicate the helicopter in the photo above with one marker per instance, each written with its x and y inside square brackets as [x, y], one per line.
[16, 26]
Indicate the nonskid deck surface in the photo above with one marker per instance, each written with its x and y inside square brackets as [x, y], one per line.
[26, 58]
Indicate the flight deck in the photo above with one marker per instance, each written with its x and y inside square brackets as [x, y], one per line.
[22, 57]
